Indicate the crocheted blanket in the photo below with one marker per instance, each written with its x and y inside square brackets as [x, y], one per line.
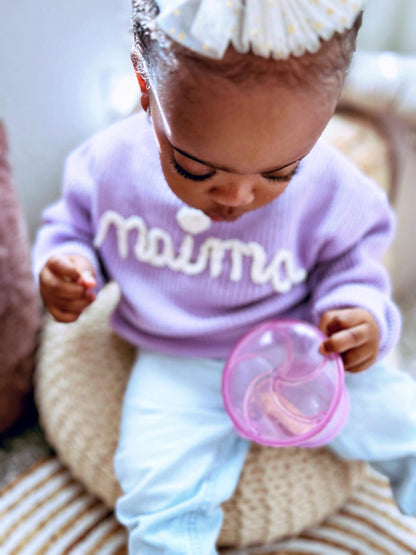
[45, 510]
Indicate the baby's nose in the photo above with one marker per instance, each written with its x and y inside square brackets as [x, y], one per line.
[233, 194]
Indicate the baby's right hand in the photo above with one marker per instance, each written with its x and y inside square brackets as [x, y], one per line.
[66, 283]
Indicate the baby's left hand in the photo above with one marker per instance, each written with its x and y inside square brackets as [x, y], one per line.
[354, 334]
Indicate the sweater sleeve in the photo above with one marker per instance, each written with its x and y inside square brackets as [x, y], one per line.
[350, 272]
[68, 224]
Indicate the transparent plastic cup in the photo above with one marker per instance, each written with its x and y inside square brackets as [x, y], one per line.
[280, 391]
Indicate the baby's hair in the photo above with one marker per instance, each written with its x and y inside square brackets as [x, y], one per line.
[157, 51]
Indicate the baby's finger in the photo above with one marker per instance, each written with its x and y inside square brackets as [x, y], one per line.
[361, 367]
[346, 339]
[357, 357]
[73, 305]
[64, 316]
[87, 279]
[52, 284]
[63, 266]
[341, 318]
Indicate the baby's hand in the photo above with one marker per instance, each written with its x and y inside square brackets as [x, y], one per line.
[354, 334]
[65, 284]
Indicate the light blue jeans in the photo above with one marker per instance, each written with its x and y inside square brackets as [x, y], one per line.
[179, 458]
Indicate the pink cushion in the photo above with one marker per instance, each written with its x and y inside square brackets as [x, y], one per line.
[19, 300]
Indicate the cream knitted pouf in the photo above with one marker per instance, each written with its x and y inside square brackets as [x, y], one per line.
[81, 375]
[80, 379]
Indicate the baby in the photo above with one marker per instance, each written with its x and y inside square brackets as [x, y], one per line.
[216, 209]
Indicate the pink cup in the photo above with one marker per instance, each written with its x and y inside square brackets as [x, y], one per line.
[280, 391]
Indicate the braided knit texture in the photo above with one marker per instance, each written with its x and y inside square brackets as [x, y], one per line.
[81, 375]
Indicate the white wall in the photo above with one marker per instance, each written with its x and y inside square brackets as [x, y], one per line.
[55, 58]
[389, 25]
[54, 66]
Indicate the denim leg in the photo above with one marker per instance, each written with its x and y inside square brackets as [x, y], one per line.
[178, 457]
[381, 428]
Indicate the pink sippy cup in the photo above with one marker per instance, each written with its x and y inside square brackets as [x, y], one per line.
[280, 391]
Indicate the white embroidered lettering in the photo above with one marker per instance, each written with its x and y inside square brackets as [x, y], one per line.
[160, 248]
[155, 247]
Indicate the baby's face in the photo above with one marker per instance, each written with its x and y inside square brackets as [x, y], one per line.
[226, 148]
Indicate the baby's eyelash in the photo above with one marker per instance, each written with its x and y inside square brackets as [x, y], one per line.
[283, 178]
[179, 169]
[187, 175]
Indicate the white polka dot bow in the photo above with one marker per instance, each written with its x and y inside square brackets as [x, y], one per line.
[277, 28]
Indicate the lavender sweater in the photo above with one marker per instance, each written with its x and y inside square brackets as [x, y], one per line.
[191, 286]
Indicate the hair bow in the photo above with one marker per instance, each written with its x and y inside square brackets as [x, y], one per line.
[277, 28]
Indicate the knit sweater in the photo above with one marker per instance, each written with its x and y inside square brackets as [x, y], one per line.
[192, 286]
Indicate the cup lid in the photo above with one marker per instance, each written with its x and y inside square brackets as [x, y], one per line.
[277, 388]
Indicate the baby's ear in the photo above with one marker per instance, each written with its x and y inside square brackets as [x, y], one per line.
[138, 68]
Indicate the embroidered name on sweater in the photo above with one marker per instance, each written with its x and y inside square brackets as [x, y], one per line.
[155, 246]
